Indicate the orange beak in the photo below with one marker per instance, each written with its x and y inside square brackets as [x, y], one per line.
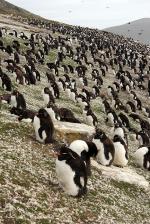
[55, 154]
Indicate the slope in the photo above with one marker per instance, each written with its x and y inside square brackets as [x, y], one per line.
[138, 30]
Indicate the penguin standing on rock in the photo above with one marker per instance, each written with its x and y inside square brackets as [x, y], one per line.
[44, 128]
[142, 157]
[105, 148]
[85, 150]
[71, 172]
[121, 152]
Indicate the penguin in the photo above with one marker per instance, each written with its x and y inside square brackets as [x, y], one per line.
[142, 157]
[73, 95]
[82, 101]
[90, 117]
[85, 150]
[50, 110]
[116, 86]
[47, 96]
[43, 126]
[120, 131]
[95, 91]
[121, 151]
[124, 120]
[71, 172]
[17, 100]
[61, 84]
[6, 82]
[105, 106]
[138, 103]
[131, 106]
[55, 89]
[25, 115]
[143, 138]
[111, 117]
[106, 150]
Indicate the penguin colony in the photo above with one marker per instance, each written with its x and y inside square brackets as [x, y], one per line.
[94, 55]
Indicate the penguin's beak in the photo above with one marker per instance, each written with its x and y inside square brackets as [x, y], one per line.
[55, 154]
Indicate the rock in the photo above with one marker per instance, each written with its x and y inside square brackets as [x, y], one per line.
[122, 174]
[68, 132]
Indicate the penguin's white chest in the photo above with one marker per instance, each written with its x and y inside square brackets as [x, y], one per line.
[89, 120]
[72, 97]
[68, 92]
[36, 125]
[60, 86]
[13, 101]
[46, 98]
[51, 113]
[119, 131]
[119, 157]
[66, 177]
[111, 118]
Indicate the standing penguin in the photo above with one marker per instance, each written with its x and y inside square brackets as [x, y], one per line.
[119, 130]
[85, 150]
[121, 151]
[47, 96]
[44, 128]
[142, 157]
[17, 100]
[71, 172]
[105, 148]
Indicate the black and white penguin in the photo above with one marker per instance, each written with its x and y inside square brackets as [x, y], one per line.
[6, 81]
[116, 86]
[131, 106]
[43, 126]
[73, 94]
[138, 103]
[25, 115]
[71, 172]
[143, 138]
[120, 131]
[110, 91]
[47, 96]
[90, 117]
[124, 119]
[17, 100]
[61, 84]
[142, 157]
[52, 112]
[96, 91]
[121, 152]
[85, 150]
[112, 117]
[82, 101]
[105, 148]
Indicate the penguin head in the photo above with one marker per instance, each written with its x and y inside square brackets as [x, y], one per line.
[42, 113]
[118, 138]
[100, 134]
[15, 92]
[50, 105]
[64, 153]
[46, 90]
